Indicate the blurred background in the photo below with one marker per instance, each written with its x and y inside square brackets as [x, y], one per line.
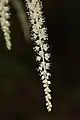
[21, 91]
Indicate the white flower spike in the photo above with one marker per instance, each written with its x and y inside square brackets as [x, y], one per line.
[4, 21]
[40, 37]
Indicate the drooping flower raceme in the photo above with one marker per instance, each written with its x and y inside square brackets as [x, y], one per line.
[4, 21]
[38, 36]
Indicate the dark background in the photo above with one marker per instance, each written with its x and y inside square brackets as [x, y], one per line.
[21, 91]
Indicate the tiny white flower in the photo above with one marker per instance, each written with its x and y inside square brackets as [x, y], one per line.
[47, 56]
[7, 23]
[32, 21]
[41, 53]
[38, 42]
[47, 89]
[43, 64]
[8, 44]
[42, 77]
[6, 8]
[50, 105]
[38, 58]
[40, 68]
[45, 47]
[35, 36]
[5, 28]
[46, 92]
[40, 21]
[35, 29]
[45, 81]
[43, 72]
[36, 48]
[49, 96]
[46, 97]
[47, 104]
[45, 85]
[48, 82]
[48, 74]
[47, 65]
[49, 109]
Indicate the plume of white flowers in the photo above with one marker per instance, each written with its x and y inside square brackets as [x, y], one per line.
[39, 37]
[4, 21]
